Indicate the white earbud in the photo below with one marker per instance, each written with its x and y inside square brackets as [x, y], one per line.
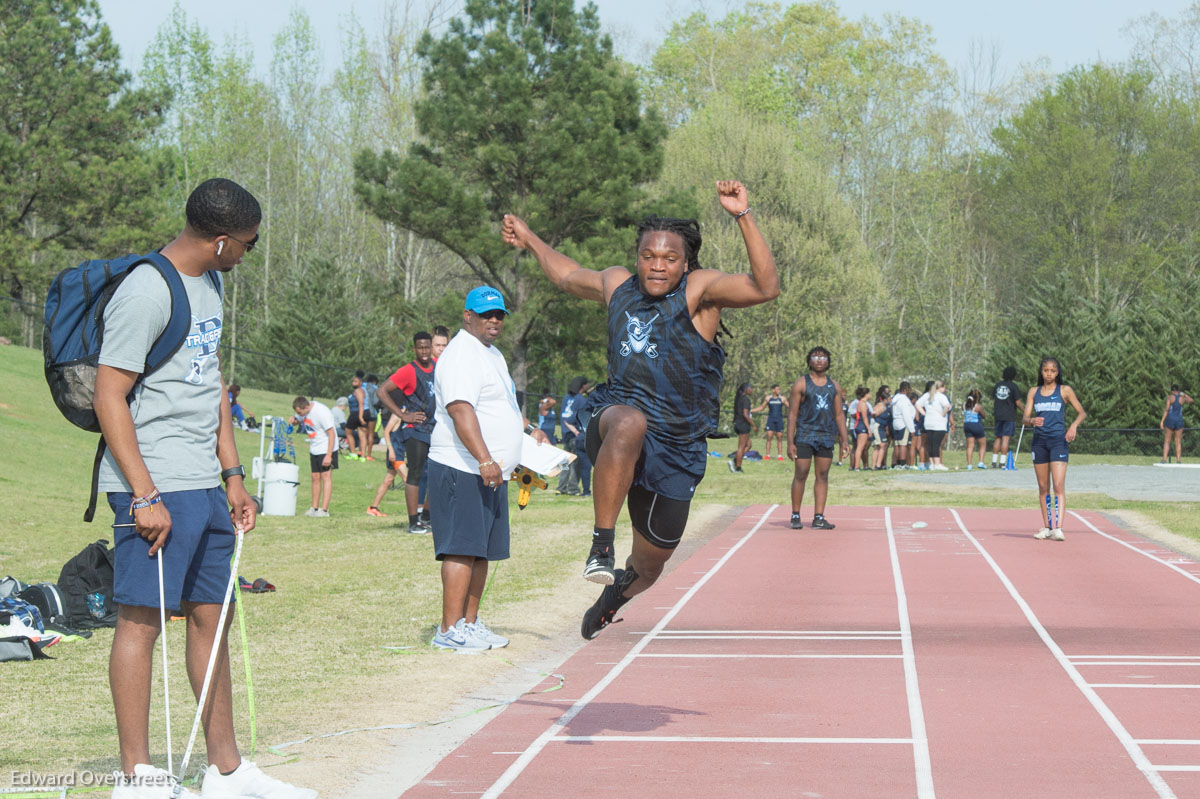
[220, 246]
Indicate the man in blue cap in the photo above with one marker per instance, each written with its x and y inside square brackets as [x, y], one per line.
[475, 446]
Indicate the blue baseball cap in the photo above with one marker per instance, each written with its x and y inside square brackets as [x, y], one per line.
[483, 299]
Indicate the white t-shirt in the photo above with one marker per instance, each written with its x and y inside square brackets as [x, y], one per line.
[470, 372]
[937, 410]
[316, 425]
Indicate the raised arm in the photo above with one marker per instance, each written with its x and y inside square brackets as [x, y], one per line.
[587, 284]
[742, 290]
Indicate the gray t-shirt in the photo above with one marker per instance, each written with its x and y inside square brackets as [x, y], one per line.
[176, 409]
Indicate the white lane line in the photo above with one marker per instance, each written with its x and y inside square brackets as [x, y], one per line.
[666, 739]
[798, 657]
[1177, 768]
[1134, 657]
[512, 772]
[667, 633]
[1137, 685]
[1130, 546]
[1167, 663]
[781, 637]
[1169, 741]
[916, 714]
[1135, 752]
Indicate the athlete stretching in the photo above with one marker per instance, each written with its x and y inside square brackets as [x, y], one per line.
[646, 435]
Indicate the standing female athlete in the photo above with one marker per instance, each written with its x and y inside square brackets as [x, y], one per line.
[1046, 412]
[973, 428]
[1172, 422]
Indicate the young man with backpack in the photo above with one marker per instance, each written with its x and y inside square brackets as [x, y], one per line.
[169, 437]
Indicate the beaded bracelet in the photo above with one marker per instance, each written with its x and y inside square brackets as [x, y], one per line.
[148, 501]
[740, 214]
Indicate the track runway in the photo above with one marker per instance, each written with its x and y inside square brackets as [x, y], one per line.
[911, 652]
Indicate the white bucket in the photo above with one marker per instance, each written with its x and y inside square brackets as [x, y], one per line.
[279, 489]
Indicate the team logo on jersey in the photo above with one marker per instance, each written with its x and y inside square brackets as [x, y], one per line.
[1002, 392]
[822, 402]
[203, 341]
[639, 337]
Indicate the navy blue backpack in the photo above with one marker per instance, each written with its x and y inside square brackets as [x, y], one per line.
[74, 331]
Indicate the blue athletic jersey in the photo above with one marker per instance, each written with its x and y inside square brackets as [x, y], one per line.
[1053, 411]
[353, 407]
[971, 417]
[660, 364]
[815, 422]
[774, 410]
[1174, 418]
[571, 404]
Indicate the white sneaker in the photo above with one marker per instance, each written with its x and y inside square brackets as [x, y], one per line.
[311, 512]
[482, 632]
[1043, 534]
[940, 467]
[1057, 534]
[321, 513]
[147, 782]
[249, 781]
[458, 639]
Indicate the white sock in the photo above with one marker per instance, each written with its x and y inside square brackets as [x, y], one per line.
[995, 457]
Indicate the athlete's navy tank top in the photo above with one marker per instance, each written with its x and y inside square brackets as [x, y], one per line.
[1053, 411]
[353, 400]
[660, 364]
[1175, 413]
[422, 399]
[774, 410]
[815, 421]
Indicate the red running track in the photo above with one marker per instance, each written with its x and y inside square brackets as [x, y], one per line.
[911, 652]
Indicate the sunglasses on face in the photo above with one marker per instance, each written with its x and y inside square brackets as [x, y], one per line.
[249, 245]
[494, 315]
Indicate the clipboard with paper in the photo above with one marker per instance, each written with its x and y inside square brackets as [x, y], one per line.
[544, 459]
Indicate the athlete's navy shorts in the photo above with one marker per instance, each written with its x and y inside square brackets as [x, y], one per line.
[1171, 424]
[469, 518]
[1048, 450]
[195, 556]
[974, 430]
[901, 436]
[774, 425]
[667, 468]
[860, 429]
[1006, 428]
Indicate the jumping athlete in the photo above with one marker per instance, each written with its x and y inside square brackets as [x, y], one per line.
[814, 419]
[1172, 422]
[1046, 411]
[649, 423]
[775, 405]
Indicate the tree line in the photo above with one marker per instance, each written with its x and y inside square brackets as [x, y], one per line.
[927, 222]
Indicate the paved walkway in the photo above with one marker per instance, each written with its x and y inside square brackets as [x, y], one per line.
[1152, 483]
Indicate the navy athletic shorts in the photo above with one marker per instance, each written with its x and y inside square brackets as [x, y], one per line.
[1049, 450]
[667, 468]
[195, 556]
[774, 425]
[468, 518]
[974, 430]
[1005, 428]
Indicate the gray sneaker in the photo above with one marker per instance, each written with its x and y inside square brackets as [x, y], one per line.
[482, 632]
[458, 639]
[419, 529]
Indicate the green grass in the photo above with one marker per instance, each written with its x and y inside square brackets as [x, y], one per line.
[348, 585]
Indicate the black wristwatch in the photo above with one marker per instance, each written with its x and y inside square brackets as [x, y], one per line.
[235, 471]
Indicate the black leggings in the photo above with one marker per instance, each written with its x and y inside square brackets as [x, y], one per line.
[933, 441]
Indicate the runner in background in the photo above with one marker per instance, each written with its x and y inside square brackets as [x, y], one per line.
[815, 423]
[973, 429]
[1172, 422]
[1046, 411]
[775, 404]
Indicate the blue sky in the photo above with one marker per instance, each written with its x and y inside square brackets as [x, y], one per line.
[1066, 32]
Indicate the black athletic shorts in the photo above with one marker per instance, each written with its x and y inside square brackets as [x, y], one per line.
[314, 463]
[805, 450]
[352, 422]
[416, 454]
[658, 519]
[742, 427]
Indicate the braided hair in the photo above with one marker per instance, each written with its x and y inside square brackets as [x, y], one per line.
[687, 229]
[219, 206]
